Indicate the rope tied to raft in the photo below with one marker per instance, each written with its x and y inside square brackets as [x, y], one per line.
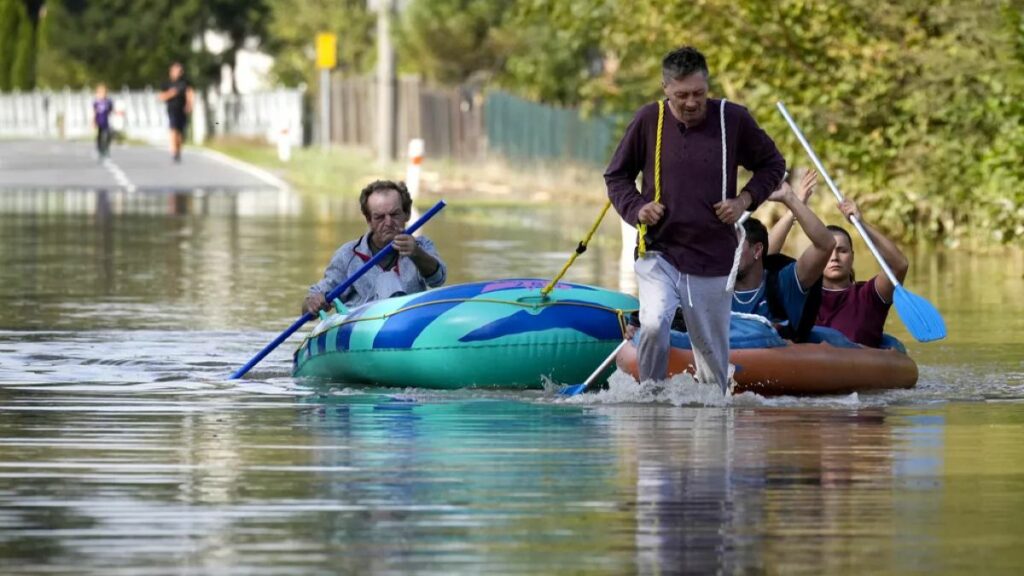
[580, 249]
[619, 312]
[623, 322]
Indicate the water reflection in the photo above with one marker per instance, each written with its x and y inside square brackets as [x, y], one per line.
[123, 448]
[106, 203]
[443, 481]
[394, 483]
[745, 488]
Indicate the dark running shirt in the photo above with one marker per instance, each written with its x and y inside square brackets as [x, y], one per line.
[176, 105]
[101, 112]
[858, 312]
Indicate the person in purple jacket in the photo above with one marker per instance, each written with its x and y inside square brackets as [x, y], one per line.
[688, 148]
[858, 309]
[102, 106]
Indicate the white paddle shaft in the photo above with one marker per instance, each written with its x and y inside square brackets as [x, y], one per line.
[835, 190]
[607, 361]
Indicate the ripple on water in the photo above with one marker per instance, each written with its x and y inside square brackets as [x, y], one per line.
[160, 362]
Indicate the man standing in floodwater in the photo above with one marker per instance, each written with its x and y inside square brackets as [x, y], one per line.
[687, 209]
[179, 96]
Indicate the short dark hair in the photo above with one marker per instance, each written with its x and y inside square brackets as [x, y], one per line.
[756, 233]
[682, 62]
[381, 185]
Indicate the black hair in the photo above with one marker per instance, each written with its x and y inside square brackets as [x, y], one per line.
[756, 233]
[682, 62]
[840, 230]
[380, 185]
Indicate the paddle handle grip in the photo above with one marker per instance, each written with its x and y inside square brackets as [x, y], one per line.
[835, 190]
[335, 293]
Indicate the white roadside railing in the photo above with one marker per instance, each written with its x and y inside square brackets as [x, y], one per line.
[140, 115]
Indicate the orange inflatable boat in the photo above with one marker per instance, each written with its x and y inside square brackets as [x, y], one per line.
[832, 365]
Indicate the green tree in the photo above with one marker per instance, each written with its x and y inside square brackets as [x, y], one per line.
[239, 21]
[23, 69]
[552, 63]
[914, 106]
[449, 41]
[294, 24]
[511, 44]
[10, 19]
[54, 68]
[132, 43]
[127, 43]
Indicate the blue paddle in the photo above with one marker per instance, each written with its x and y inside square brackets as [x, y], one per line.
[335, 293]
[921, 318]
[581, 388]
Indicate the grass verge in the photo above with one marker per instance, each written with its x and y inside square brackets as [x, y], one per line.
[345, 170]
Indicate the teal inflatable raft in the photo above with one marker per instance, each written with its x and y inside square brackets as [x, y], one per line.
[498, 334]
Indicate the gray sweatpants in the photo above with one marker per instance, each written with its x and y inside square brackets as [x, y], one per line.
[706, 305]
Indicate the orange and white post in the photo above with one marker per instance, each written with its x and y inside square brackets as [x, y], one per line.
[284, 142]
[412, 171]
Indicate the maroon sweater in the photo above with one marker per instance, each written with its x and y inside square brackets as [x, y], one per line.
[857, 311]
[689, 235]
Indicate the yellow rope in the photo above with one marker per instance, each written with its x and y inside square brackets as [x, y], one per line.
[622, 322]
[619, 312]
[642, 228]
[580, 249]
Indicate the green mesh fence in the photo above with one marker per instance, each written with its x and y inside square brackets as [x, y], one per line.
[526, 131]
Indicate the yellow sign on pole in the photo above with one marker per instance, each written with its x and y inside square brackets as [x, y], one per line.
[326, 50]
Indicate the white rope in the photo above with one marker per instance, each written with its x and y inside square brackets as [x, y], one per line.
[689, 295]
[756, 317]
[741, 233]
[721, 119]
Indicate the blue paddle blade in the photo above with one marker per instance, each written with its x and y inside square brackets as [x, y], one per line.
[922, 320]
[573, 390]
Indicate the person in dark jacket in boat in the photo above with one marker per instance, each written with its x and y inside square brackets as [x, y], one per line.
[413, 266]
[785, 291]
[859, 309]
[688, 148]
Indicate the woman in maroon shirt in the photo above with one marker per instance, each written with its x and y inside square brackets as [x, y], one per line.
[858, 309]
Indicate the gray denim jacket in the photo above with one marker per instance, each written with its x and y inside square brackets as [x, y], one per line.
[377, 283]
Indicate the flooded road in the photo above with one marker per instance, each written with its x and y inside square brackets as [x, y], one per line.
[124, 449]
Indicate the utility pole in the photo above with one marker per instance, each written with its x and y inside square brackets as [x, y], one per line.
[385, 81]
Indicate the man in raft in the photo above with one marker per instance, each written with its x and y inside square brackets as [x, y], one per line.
[413, 266]
[785, 291]
[688, 148]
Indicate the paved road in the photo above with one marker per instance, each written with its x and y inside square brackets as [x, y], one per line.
[42, 164]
